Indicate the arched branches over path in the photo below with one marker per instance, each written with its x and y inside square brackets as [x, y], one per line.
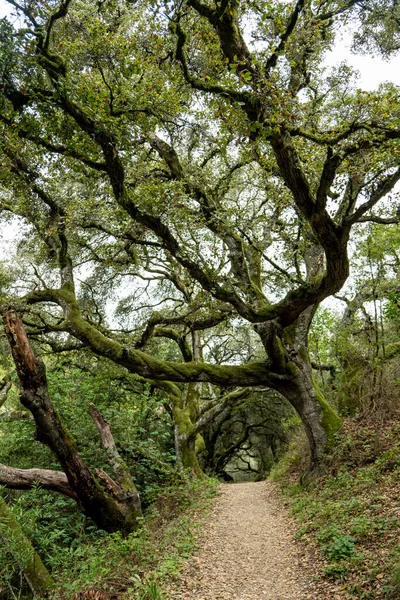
[144, 138]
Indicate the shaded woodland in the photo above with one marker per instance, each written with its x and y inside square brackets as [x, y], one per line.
[203, 275]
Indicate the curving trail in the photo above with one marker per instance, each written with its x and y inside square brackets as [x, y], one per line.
[248, 552]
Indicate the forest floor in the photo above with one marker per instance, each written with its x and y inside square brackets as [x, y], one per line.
[248, 552]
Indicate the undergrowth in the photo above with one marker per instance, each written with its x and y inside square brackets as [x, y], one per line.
[350, 518]
[136, 567]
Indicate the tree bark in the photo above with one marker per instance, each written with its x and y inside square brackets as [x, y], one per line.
[318, 417]
[5, 387]
[287, 349]
[110, 507]
[127, 491]
[26, 479]
[35, 573]
[320, 420]
[185, 414]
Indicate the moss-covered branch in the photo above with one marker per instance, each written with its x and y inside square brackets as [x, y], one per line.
[273, 59]
[210, 415]
[136, 361]
[31, 565]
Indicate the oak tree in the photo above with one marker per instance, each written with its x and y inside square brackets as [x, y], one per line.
[201, 146]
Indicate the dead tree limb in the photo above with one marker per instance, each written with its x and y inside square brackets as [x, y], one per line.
[121, 471]
[26, 479]
[107, 511]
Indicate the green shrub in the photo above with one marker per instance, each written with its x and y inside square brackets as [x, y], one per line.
[339, 547]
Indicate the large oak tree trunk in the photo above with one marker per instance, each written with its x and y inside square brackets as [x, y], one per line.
[318, 417]
[288, 352]
[320, 420]
[112, 505]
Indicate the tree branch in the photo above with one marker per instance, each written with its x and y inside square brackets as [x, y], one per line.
[213, 412]
[383, 188]
[14, 415]
[26, 479]
[380, 220]
[195, 82]
[118, 465]
[5, 387]
[272, 60]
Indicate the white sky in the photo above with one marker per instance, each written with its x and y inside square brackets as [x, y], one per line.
[373, 70]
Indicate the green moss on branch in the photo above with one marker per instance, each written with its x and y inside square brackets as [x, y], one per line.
[331, 421]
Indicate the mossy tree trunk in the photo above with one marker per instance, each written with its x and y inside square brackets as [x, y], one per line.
[297, 384]
[189, 443]
[184, 404]
[318, 417]
[191, 419]
[112, 505]
[185, 416]
[22, 551]
[287, 349]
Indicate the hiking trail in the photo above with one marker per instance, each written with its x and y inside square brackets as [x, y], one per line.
[247, 552]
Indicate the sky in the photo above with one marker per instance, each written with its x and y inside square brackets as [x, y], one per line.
[373, 70]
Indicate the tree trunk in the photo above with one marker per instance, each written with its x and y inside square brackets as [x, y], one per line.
[35, 573]
[318, 417]
[287, 349]
[288, 352]
[191, 420]
[113, 506]
[186, 455]
[185, 415]
[320, 420]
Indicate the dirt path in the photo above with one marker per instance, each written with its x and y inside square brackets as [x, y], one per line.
[248, 552]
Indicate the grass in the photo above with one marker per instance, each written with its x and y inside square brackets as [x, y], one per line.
[351, 516]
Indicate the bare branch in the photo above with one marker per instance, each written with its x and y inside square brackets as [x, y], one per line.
[118, 465]
[26, 479]
[382, 189]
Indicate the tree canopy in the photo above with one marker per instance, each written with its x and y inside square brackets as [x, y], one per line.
[194, 166]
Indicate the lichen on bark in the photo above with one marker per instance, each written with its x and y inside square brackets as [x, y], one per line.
[331, 421]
